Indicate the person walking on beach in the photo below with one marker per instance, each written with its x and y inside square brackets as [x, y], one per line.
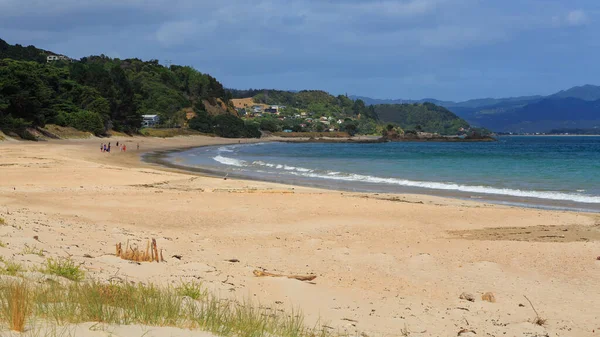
[138, 146]
[101, 147]
[124, 148]
[104, 148]
[108, 148]
[117, 144]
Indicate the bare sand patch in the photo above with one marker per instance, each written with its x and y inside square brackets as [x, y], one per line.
[542, 233]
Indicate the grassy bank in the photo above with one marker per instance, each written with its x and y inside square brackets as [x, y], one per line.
[168, 132]
[312, 134]
[22, 303]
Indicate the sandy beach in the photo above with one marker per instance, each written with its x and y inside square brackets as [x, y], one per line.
[386, 265]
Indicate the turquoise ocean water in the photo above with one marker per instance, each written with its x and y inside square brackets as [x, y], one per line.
[544, 171]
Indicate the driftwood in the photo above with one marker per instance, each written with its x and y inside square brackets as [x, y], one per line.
[261, 273]
[134, 254]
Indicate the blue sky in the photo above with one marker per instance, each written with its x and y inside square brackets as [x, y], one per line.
[445, 49]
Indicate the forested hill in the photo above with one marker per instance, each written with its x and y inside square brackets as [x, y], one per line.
[99, 93]
[425, 117]
[422, 117]
[18, 52]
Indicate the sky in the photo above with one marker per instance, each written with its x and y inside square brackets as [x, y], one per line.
[410, 49]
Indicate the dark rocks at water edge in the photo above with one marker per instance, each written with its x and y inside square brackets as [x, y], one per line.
[394, 136]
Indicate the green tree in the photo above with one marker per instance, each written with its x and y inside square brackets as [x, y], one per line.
[269, 124]
[202, 122]
[229, 126]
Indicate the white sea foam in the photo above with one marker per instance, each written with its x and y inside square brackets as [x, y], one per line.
[280, 166]
[230, 161]
[226, 148]
[331, 175]
[550, 195]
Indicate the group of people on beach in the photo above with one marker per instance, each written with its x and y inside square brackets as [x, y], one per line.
[106, 147]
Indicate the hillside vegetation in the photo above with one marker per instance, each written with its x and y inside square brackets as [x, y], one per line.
[357, 116]
[98, 93]
[102, 95]
[422, 117]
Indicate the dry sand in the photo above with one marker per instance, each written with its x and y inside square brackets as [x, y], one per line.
[384, 268]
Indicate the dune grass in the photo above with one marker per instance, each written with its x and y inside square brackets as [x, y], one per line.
[15, 305]
[63, 267]
[2, 221]
[32, 251]
[11, 268]
[126, 304]
[192, 290]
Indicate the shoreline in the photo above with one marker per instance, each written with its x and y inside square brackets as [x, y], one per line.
[160, 158]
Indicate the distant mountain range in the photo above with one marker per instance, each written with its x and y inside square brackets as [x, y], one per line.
[575, 108]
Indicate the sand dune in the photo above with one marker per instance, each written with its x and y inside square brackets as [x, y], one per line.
[383, 268]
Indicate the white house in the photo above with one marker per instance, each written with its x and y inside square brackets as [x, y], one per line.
[256, 108]
[52, 58]
[150, 121]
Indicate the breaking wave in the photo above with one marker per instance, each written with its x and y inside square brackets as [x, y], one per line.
[230, 161]
[350, 177]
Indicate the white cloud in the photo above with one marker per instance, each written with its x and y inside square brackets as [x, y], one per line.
[577, 18]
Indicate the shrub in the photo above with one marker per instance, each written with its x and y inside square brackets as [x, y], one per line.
[270, 125]
[252, 131]
[86, 121]
[201, 122]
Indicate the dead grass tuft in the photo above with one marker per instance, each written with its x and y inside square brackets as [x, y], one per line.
[15, 305]
[132, 253]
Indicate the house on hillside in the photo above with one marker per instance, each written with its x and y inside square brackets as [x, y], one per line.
[53, 58]
[274, 109]
[257, 109]
[150, 121]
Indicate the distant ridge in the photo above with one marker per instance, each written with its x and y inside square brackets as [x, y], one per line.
[586, 92]
[577, 107]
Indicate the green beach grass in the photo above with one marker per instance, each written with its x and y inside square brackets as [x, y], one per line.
[188, 306]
